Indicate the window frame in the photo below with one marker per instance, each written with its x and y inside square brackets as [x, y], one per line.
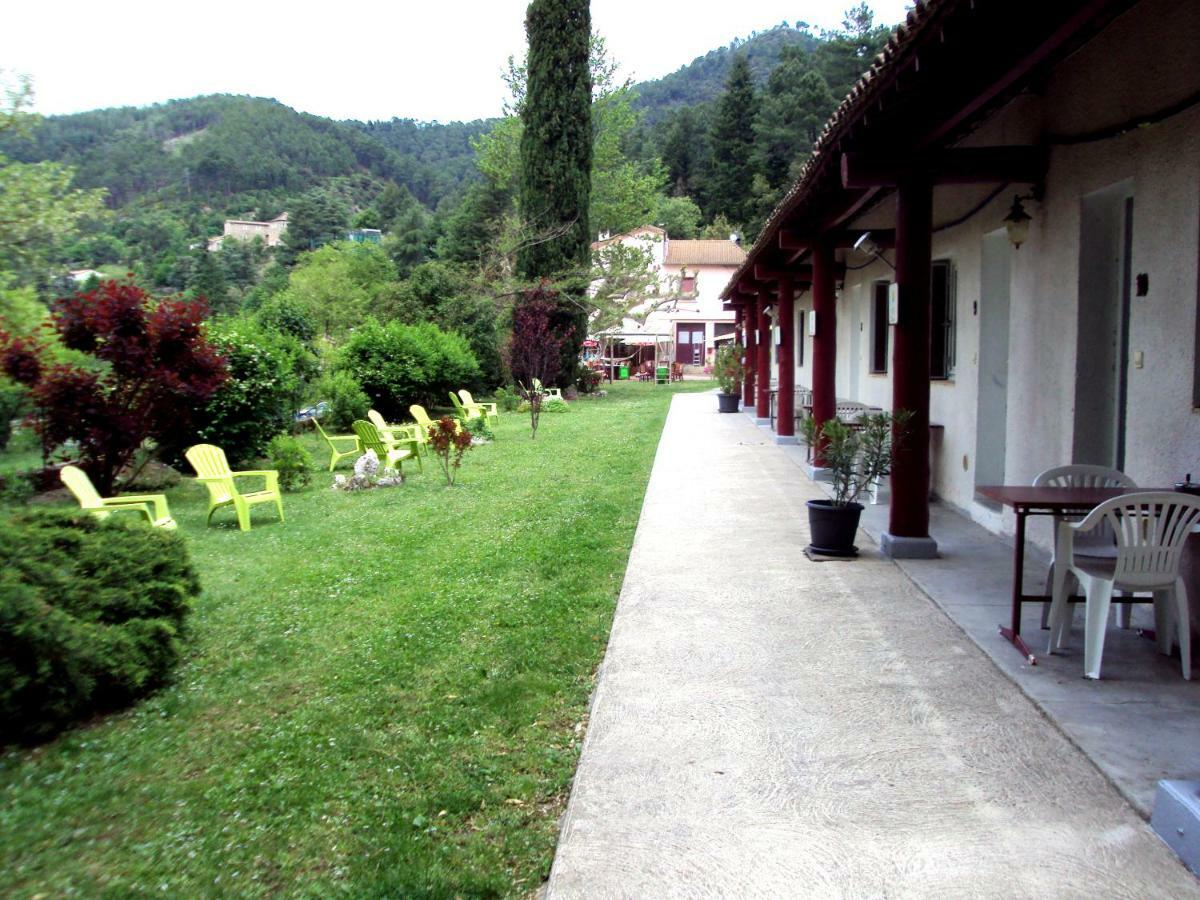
[943, 320]
[880, 329]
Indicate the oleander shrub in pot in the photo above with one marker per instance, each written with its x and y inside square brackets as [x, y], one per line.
[727, 368]
[92, 617]
[856, 456]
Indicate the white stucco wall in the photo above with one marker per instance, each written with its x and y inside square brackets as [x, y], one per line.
[1144, 61]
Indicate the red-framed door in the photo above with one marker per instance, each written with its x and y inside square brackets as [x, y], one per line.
[689, 343]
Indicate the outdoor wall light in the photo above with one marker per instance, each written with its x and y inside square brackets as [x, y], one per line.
[864, 244]
[1016, 223]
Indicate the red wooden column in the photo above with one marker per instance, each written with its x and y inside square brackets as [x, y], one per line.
[763, 360]
[908, 522]
[750, 358]
[785, 402]
[824, 345]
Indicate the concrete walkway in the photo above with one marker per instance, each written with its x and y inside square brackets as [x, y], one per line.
[766, 726]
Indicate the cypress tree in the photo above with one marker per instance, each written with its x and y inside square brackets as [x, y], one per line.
[556, 156]
[731, 176]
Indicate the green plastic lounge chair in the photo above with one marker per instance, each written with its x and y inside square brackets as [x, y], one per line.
[336, 454]
[487, 409]
[390, 455]
[400, 435]
[464, 412]
[212, 470]
[152, 506]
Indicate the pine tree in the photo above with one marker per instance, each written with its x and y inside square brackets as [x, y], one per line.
[795, 105]
[556, 155]
[730, 182]
[683, 153]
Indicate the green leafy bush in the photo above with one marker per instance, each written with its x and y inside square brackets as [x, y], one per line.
[92, 617]
[346, 400]
[398, 365]
[549, 405]
[292, 461]
[267, 374]
[507, 400]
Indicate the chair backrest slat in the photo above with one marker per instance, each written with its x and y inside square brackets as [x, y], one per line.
[81, 486]
[1150, 530]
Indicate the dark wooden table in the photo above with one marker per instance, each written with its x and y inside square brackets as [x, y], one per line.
[1025, 501]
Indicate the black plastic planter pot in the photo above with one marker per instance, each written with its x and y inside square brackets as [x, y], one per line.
[727, 403]
[833, 527]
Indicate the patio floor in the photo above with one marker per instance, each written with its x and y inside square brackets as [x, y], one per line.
[765, 725]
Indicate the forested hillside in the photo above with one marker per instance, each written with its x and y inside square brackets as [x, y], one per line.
[703, 79]
[705, 150]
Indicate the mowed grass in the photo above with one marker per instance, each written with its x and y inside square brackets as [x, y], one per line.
[385, 695]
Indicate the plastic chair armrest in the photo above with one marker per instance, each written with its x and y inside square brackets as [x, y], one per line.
[158, 501]
[271, 476]
[142, 508]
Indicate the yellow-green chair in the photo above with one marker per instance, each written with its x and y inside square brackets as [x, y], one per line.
[400, 435]
[486, 409]
[424, 422]
[152, 506]
[390, 455]
[336, 454]
[212, 470]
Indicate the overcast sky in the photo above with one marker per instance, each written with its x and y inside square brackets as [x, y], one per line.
[363, 59]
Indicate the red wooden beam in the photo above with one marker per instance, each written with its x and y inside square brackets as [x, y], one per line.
[824, 344]
[790, 239]
[762, 397]
[967, 165]
[785, 413]
[1089, 14]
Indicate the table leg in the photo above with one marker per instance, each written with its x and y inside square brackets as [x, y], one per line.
[1012, 634]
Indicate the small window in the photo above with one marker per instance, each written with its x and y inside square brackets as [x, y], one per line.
[687, 284]
[879, 328]
[941, 350]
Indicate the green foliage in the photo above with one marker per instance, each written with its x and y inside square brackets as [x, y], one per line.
[91, 617]
[398, 364]
[14, 402]
[207, 280]
[267, 374]
[452, 297]
[856, 457]
[556, 140]
[284, 315]
[548, 405]
[336, 285]
[727, 367]
[506, 399]
[315, 219]
[292, 461]
[731, 174]
[346, 398]
[679, 216]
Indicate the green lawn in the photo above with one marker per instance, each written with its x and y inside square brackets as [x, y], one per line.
[386, 695]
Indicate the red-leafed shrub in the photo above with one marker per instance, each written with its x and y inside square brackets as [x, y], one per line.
[154, 368]
[535, 349]
[449, 442]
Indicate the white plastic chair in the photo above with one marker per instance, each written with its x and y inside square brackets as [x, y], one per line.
[1102, 544]
[1150, 530]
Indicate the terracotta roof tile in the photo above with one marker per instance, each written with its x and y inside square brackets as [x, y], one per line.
[704, 253]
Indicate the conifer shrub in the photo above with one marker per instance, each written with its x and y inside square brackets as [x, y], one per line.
[92, 617]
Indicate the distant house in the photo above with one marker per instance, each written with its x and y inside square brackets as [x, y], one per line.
[692, 274]
[271, 232]
[365, 235]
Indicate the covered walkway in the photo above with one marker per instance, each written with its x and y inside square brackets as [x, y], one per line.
[765, 725]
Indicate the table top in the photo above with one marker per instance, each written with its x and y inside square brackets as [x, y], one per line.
[1026, 496]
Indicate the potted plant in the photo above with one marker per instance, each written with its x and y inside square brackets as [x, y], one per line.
[857, 457]
[727, 367]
